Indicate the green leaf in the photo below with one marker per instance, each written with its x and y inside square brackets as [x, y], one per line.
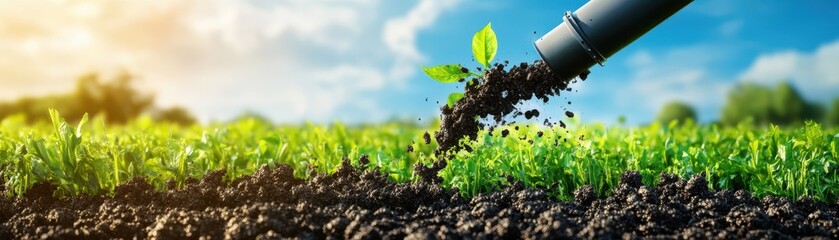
[448, 73]
[453, 98]
[485, 45]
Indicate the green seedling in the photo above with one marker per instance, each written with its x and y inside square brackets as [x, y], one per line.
[484, 47]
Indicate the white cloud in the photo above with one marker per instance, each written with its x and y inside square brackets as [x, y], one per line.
[680, 74]
[400, 34]
[815, 74]
[290, 60]
[730, 28]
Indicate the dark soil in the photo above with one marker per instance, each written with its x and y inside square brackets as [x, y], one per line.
[355, 205]
[496, 96]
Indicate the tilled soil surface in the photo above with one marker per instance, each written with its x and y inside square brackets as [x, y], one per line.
[351, 204]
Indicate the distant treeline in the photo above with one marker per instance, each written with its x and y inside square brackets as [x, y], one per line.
[761, 105]
[116, 99]
[119, 102]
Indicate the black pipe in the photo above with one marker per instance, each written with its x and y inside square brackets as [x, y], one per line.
[598, 30]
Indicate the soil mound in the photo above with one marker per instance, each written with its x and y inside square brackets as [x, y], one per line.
[359, 205]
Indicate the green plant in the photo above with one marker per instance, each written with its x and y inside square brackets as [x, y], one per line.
[93, 158]
[484, 48]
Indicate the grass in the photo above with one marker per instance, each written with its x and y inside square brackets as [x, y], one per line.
[785, 162]
[93, 158]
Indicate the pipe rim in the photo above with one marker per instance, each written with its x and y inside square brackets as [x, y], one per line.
[582, 38]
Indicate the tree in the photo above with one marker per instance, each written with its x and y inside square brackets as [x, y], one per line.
[117, 99]
[676, 111]
[763, 105]
[747, 101]
[833, 113]
[176, 115]
[787, 105]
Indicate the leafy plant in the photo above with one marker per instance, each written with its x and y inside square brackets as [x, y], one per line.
[484, 48]
[93, 159]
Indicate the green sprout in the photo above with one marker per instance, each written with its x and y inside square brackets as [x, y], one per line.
[484, 47]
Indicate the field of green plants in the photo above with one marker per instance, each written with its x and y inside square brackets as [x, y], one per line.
[93, 158]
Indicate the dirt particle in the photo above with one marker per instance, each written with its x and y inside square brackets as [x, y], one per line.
[426, 137]
[584, 75]
[410, 148]
[569, 114]
[531, 114]
[364, 160]
[585, 195]
[505, 132]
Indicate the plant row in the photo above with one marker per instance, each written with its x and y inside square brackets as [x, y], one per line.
[93, 158]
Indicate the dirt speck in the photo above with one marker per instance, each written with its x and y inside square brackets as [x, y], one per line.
[584, 75]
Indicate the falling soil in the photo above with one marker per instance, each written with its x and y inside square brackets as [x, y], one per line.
[366, 205]
[496, 95]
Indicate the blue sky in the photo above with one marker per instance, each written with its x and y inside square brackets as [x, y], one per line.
[695, 56]
[359, 60]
